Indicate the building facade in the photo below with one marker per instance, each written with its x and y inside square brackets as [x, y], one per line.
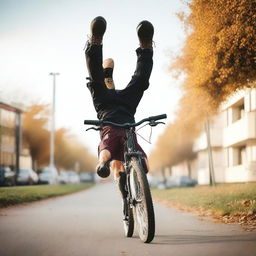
[232, 137]
[239, 137]
[10, 136]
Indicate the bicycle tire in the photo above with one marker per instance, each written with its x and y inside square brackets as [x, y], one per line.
[129, 222]
[143, 205]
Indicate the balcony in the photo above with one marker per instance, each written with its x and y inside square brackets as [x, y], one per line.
[241, 130]
[241, 173]
[215, 137]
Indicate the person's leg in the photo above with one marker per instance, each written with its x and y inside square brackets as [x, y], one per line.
[108, 67]
[120, 179]
[93, 50]
[93, 54]
[104, 156]
[102, 168]
[119, 176]
[144, 66]
[140, 79]
[117, 167]
[109, 148]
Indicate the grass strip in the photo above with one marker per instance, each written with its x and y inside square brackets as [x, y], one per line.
[21, 194]
[226, 199]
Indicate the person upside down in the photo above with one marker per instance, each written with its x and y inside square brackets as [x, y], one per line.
[113, 105]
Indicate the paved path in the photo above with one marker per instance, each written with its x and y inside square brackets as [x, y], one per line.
[86, 224]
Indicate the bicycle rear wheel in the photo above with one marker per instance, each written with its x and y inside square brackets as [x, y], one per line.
[142, 200]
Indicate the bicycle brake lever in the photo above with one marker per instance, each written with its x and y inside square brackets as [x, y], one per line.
[153, 123]
[93, 128]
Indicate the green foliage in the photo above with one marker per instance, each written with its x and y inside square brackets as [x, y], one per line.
[18, 195]
[228, 199]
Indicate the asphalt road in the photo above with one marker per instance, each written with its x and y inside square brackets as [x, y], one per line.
[89, 223]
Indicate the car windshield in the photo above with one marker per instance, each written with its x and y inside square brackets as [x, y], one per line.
[23, 172]
[63, 174]
[47, 170]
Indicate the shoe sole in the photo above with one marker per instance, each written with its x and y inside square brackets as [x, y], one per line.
[103, 172]
[98, 26]
[145, 31]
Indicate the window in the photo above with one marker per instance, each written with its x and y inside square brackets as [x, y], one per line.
[7, 118]
[238, 111]
[242, 155]
[236, 156]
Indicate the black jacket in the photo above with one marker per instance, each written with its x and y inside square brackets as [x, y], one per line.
[117, 106]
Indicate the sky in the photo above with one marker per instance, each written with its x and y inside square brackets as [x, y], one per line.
[42, 36]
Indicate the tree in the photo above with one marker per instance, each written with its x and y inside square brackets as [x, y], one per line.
[35, 134]
[218, 58]
[68, 149]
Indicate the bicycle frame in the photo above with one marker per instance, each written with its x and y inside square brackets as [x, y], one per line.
[130, 149]
[129, 152]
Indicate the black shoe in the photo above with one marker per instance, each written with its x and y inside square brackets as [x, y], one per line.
[145, 31]
[103, 169]
[98, 28]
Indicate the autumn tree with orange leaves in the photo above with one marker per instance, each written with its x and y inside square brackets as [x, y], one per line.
[35, 133]
[68, 150]
[218, 58]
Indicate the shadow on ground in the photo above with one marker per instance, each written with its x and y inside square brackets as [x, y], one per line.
[201, 239]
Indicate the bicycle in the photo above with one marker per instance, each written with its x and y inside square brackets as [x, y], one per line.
[138, 202]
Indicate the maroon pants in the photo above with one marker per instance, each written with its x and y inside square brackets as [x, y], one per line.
[113, 139]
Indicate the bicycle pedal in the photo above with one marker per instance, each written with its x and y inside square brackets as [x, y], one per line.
[125, 218]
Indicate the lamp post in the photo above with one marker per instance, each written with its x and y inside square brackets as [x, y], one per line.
[209, 147]
[53, 120]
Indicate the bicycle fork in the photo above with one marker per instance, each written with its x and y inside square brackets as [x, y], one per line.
[132, 201]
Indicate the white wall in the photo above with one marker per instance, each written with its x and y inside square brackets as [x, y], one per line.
[233, 141]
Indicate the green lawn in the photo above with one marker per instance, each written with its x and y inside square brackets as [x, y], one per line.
[21, 194]
[227, 199]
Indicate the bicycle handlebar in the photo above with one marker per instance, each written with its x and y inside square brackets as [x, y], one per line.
[125, 125]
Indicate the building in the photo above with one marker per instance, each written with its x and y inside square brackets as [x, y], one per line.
[239, 136]
[232, 137]
[12, 153]
[10, 136]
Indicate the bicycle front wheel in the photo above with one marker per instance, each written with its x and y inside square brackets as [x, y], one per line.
[142, 201]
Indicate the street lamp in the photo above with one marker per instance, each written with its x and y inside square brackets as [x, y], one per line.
[53, 121]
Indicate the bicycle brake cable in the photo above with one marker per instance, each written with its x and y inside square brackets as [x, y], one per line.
[150, 136]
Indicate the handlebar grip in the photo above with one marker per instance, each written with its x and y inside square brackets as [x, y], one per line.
[157, 117]
[92, 122]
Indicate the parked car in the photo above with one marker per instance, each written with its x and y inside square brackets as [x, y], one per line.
[73, 177]
[49, 175]
[68, 177]
[7, 177]
[153, 181]
[27, 176]
[87, 177]
[63, 177]
[180, 181]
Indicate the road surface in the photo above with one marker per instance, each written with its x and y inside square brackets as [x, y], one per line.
[89, 223]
